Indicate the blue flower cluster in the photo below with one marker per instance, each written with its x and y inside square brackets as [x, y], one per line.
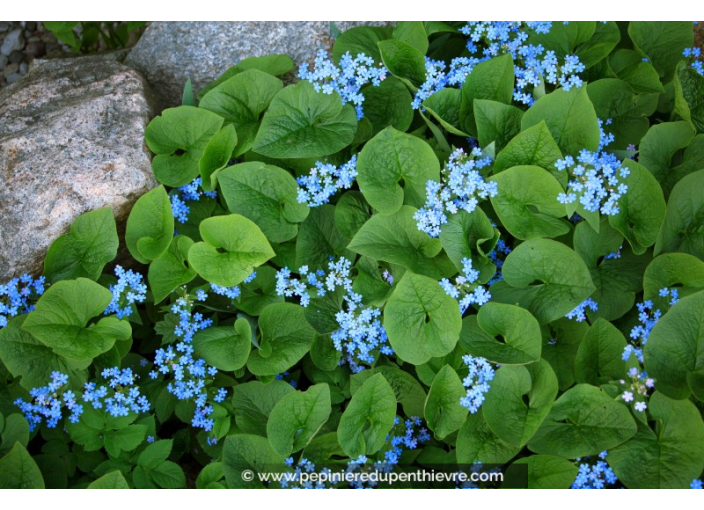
[324, 181]
[121, 395]
[49, 402]
[347, 79]
[696, 484]
[695, 53]
[497, 257]
[477, 382]
[533, 65]
[579, 312]
[596, 476]
[190, 192]
[361, 333]
[129, 289]
[17, 296]
[614, 255]
[638, 388]
[648, 317]
[461, 187]
[280, 377]
[190, 376]
[464, 289]
[596, 178]
[229, 292]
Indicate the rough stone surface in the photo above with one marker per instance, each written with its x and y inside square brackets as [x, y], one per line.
[71, 140]
[171, 52]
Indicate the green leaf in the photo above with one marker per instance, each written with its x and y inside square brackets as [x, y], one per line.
[674, 354]
[662, 42]
[297, 418]
[641, 209]
[606, 36]
[14, 430]
[286, 338]
[659, 146]
[390, 158]
[669, 457]
[19, 471]
[477, 443]
[26, 357]
[583, 421]
[358, 40]
[226, 347]
[188, 98]
[60, 320]
[170, 270]
[639, 74]
[368, 418]
[519, 330]
[388, 104]
[150, 226]
[403, 61]
[303, 123]
[169, 475]
[570, 118]
[245, 452]
[492, 79]
[413, 33]
[112, 480]
[409, 392]
[533, 146]
[444, 106]
[125, 439]
[599, 356]
[682, 229]
[241, 100]
[421, 321]
[564, 38]
[155, 453]
[216, 156]
[90, 244]
[614, 98]
[689, 88]
[319, 238]
[470, 236]
[210, 474]
[443, 411]
[563, 279]
[351, 212]
[496, 122]
[265, 194]
[253, 402]
[178, 137]
[680, 270]
[233, 246]
[527, 203]
[519, 400]
[275, 65]
[543, 472]
[395, 238]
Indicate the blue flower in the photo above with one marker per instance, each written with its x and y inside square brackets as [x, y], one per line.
[129, 289]
[120, 397]
[18, 296]
[594, 476]
[347, 79]
[477, 382]
[579, 312]
[465, 289]
[696, 484]
[190, 192]
[324, 181]
[48, 403]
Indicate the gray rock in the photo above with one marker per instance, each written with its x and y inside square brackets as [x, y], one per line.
[71, 140]
[11, 68]
[12, 78]
[3, 61]
[13, 41]
[169, 53]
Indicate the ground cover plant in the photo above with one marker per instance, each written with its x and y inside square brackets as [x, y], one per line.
[471, 247]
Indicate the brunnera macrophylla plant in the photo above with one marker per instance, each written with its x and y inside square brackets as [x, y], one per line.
[465, 246]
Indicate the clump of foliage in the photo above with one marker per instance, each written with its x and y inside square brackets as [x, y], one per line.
[454, 246]
[91, 36]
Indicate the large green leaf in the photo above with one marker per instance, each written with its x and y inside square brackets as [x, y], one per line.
[303, 123]
[471, 236]
[368, 418]
[477, 443]
[497, 123]
[388, 104]
[674, 354]
[225, 347]
[403, 61]
[492, 79]
[150, 226]
[249, 455]
[599, 359]
[682, 229]
[518, 329]
[409, 392]
[540, 472]
[233, 246]
[90, 244]
[395, 238]
[569, 116]
[241, 100]
[681, 270]
[669, 457]
[527, 203]
[253, 402]
[170, 270]
[562, 278]
[392, 157]
[662, 42]
[112, 480]
[583, 421]
[178, 137]
[297, 417]
[689, 88]
[442, 410]
[422, 322]
[286, 338]
[319, 238]
[60, 320]
[265, 194]
[19, 471]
